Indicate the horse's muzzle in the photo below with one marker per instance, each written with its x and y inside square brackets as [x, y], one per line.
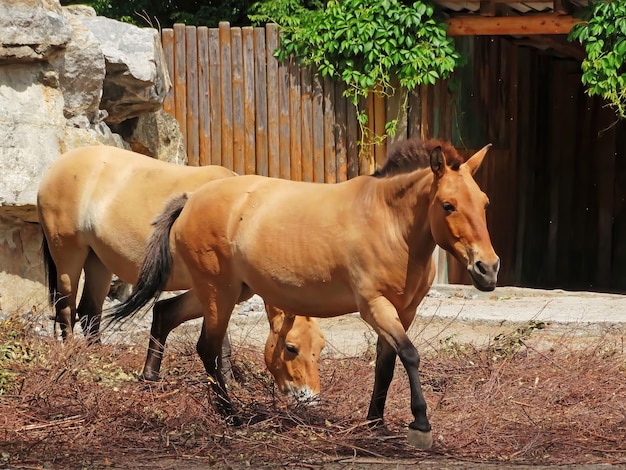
[305, 396]
[484, 276]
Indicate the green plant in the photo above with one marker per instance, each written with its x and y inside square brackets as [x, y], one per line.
[365, 43]
[603, 34]
[506, 345]
[14, 351]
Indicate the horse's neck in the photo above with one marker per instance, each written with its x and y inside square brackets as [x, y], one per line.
[407, 197]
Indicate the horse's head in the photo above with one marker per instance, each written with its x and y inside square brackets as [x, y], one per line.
[457, 217]
[292, 353]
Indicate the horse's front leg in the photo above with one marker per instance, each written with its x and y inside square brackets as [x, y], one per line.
[383, 317]
[217, 308]
[209, 349]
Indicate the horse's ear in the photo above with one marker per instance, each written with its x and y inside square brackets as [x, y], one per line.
[437, 161]
[277, 317]
[473, 163]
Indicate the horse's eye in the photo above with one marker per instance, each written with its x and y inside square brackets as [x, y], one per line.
[291, 348]
[449, 208]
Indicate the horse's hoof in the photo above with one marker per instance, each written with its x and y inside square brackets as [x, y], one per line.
[234, 420]
[420, 439]
[147, 376]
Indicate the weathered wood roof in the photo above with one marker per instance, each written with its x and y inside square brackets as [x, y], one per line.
[543, 24]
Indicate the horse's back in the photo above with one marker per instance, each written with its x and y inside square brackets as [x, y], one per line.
[276, 236]
[105, 198]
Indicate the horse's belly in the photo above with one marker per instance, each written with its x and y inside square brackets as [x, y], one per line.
[124, 257]
[300, 293]
[315, 301]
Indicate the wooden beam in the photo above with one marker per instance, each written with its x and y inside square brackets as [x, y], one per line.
[527, 25]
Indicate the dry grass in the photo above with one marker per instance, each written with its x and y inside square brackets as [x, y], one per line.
[77, 407]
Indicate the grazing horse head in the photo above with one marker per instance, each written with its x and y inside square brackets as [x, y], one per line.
[292, 352]
[457, 213]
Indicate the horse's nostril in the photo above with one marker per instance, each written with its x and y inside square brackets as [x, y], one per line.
[479, 265]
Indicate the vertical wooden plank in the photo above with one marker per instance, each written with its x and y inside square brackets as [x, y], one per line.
[436, 110]
[524, 176]
[238, 109]
[180, 79]
[554, 143]
[318, 130]
[605, 183]
[380, 118]
[193, 142]
[274, 123]
[330, 159]
[414, 125]
[295, 118]
[352, 137]
[307, 120]
[167, 41]
[260, 72]
[248, 100]
[618, 258]
[568, 85]
[215, 97]
[509, 190]
[445, 111]
[341, 132]
[368, 164]
[396, 109]
[226, 80]
[501, 164]
[582, 198]
[204, 103]
[425, 120]
[282, 165]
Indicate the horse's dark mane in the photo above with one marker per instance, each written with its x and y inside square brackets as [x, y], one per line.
[412, 154]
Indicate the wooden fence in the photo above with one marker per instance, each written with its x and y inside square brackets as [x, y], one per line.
[237, 106]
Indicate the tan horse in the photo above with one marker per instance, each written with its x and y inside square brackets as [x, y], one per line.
[95, 206]
[329, 249]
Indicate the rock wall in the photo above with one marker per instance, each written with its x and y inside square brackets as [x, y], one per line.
[68, 78]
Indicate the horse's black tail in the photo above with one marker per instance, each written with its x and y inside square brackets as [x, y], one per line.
[157, 264]
[51, 271]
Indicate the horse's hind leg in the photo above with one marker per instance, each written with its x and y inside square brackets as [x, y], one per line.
[385, 364]
[69, 265]
[97, 284]
[167, 314]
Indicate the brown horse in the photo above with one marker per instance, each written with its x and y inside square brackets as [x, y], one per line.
[95, 206]
[329, 249]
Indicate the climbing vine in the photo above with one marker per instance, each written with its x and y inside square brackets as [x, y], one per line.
[365, 43]
[603, 34]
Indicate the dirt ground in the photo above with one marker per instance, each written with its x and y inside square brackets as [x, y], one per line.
[483, 354]
[452, 313]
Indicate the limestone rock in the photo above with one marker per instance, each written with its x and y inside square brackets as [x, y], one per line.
[32, 30]
[31, 131]
[157, 135]
[137, 79]
[81, 75]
